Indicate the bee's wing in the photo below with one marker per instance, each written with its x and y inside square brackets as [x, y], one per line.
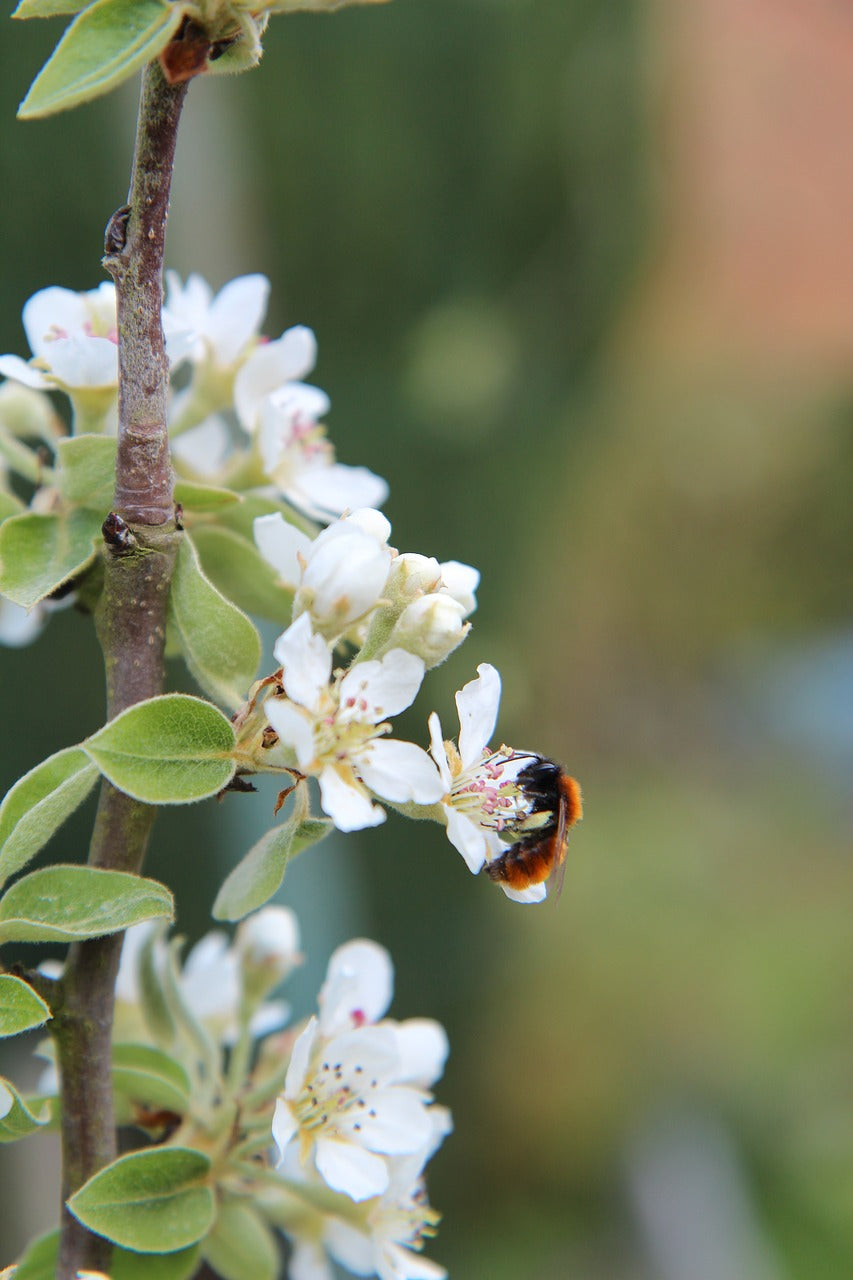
[561, 841]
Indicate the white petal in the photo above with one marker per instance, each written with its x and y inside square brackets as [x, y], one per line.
[307, 662]
[295, 728]
[300, 400]
[375, 689]
[346, 1167]
[438, 751]
[327, 491]
[281, 544]
[53, 312]
[423, 1048]
[345, 576]
[269, 367]
[206, 447]
[300, 1058]
[19, 371]
[84, 362]
[398, 1263]
[235, 316]
[395, 1122]
[461, 582]
[467, 837]
[284, 1126]
[309, 1262]
[478, 704]
[343, 799]
[399, 771]
[19, 626]
[358, 986]
[536, 893]
[350, 1247]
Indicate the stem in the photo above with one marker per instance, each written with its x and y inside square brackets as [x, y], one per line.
[141, 546]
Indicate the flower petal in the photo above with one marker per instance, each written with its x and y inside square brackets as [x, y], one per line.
[358, 986]
[281, 544]
[235, 316]
[307, 662]
[478, 704]
[330, 490]
[269, 367]
[438, 751]
[284, 1126]
[19, 371]
[346, 803]
[394, 1123]
[399, 771]
[423, 1048]
[536, 893]
[295, 727]
[375, 689]
[467, 838]
[351, 1169]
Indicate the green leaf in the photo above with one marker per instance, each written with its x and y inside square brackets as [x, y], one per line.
[39, 1263]
[62, 904]
[87, 467]
[197, 499]
[48, 8]
[39, 803]
[150, 1076]
[20, 1008]
[255, 879]
[241, 1245]
[169, 750]
[16, 1118]
[221, 646]
[104, 45]
[234, 565]
[10, 505]
[152, 1201]
[39, 553]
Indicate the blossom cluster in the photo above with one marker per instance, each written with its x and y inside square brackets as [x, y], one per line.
[367, 622]
[347, 1120]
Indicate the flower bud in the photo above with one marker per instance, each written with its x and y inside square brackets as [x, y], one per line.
[431, 627]
[411, 576]
[267, 944]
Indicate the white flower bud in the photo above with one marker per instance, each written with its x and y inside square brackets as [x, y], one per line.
[461, 581]
[411, 576]
[346, 570]
[268, 940]
[431, 627]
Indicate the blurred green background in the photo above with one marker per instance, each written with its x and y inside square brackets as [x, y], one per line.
[582, 277]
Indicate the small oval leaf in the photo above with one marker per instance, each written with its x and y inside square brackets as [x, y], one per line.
[87, 468]
[257, 876]
[150, 1076]
[241, 1245]
[39, 803]
[20, 1008]
[63, 904]
[39, 1262]
[221, 646]
[104, 45]
[236, 567]
[174, 749]
[153, 1201]
[200, 498]
[16, 1118]
[39, 553]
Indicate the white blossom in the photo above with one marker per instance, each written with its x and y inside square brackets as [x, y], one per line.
[483, 804]
[355, 1094]
[220, 328]
[336, 727]
[270, 368]
[338, 576]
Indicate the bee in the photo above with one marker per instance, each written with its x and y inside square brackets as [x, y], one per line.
[540, 852]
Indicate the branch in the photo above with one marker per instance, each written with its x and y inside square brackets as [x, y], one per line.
[141, 545]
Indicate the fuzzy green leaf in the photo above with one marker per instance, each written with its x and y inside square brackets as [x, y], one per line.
[150, 1076]
[257, 876]
[16, 1118]
[87, 467]
[20, 1008]
[39, 553]
[48, 8]
[241, 1245]
[169, 750]
[39, 1262]
[105, 44]
[39, 803]
[233, 563]
[153, 1201]
[221, 646]
[197, 499]
[62, 904]
[10, 505]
